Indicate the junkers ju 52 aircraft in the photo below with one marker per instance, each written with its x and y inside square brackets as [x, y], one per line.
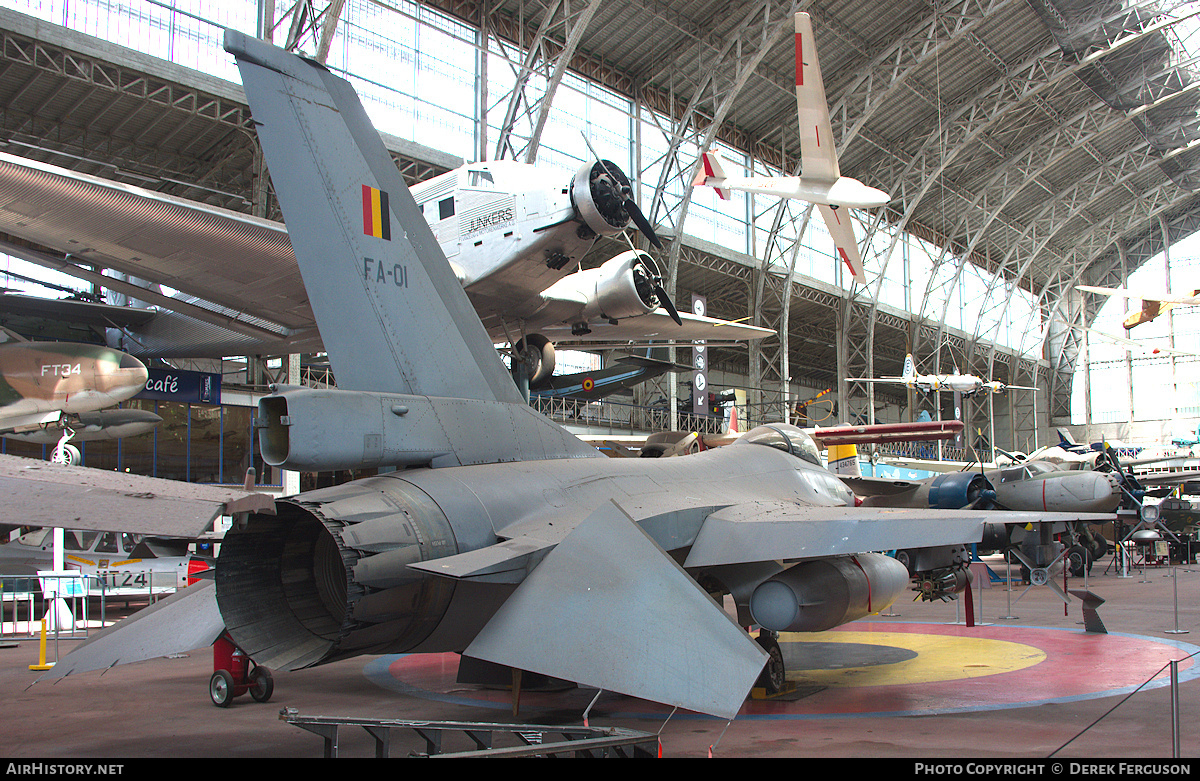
[515, 235]
[820, 181]
[500, 536]
[51, 392]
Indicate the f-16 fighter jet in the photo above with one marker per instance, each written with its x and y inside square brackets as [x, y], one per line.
[501, 536]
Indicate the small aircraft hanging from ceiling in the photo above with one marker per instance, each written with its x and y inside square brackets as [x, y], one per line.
[820, 181]
[624, 372]
[966, 384]
[52, 392]
[1153, 305]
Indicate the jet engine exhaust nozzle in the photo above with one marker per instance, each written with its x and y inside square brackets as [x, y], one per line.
[326, 578]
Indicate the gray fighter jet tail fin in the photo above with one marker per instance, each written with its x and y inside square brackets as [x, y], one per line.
[390, 311]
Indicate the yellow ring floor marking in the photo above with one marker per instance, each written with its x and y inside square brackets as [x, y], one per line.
[939, 658]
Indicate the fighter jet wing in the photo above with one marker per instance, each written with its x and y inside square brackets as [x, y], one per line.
[593, 597]
[842, 231]
[45, 494]
[186, 620]
[767, 531]
[876, 486]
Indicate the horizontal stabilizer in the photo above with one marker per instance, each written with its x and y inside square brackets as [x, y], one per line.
[712, 174]
[45, 494]
[186, 620]
[608, 608]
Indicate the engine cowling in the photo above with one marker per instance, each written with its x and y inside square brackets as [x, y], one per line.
[599, 191]
[625, 287]
[955, 490]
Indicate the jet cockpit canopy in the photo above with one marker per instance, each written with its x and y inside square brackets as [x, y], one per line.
[785, 437]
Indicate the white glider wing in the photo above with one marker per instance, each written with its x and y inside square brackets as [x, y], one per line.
[842, 230]
[817, 150]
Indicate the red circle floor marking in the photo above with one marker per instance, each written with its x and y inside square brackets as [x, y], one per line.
[1077, 665]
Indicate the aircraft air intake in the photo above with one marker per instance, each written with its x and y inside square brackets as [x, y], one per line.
[326, 578]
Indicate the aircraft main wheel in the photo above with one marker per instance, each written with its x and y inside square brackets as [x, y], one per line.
[262, 685]
[1079, 560]
[66, 455]
[220, 688]
[538, 353]
[774, 675]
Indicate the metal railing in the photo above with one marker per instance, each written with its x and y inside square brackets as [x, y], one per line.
[69, 602]
[60, 600]
[615, 417]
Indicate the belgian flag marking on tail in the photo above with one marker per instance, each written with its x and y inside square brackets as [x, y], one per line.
[376, 215]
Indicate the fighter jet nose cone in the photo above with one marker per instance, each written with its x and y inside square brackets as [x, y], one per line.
[127, 378]
[129, 362]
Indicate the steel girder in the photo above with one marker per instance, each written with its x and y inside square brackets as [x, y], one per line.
[1091, 245]
[546, 56]
[98, 132]
[709, 102]
[969, 124]
[309, 23]
[1065, 206]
